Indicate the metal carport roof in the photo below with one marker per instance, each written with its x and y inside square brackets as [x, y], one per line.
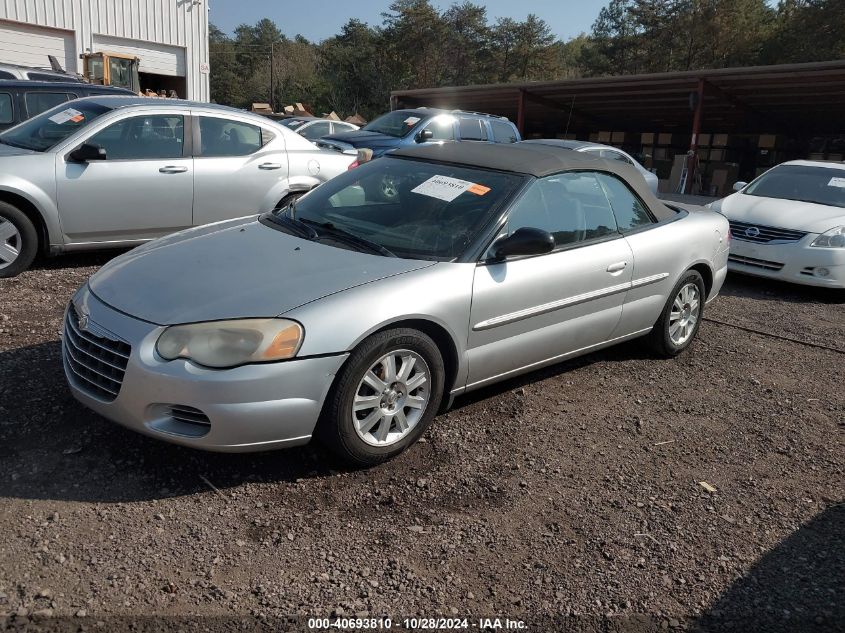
[790, 98]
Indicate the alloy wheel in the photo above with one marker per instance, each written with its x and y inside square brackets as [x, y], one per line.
[391, 398]
[686, 310]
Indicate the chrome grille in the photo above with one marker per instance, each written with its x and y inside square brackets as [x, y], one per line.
[756, 263]
[182, 413]
[763, 234]
[95, 363]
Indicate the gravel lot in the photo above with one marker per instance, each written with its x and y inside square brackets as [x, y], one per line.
[572, 492]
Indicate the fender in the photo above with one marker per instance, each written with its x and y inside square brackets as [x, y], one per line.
[42, 201]
[287, 186]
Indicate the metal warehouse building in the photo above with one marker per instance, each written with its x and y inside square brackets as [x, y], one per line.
[170, 37]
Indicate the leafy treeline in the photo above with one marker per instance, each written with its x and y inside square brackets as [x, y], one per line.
[417, 46]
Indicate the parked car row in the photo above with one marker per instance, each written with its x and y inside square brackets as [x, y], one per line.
[385, 291]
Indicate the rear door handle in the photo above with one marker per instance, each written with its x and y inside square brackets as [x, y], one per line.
[617, 267]
[173, 169]
[270, 166]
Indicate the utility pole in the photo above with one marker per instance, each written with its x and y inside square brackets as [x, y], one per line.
[272, 82]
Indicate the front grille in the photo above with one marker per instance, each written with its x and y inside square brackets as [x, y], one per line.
[96, 363]
[763, 234]
[190, 415]
[756, 263]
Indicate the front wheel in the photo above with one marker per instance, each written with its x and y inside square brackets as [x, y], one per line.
[681, 317]
[18, 241]
[384, 398]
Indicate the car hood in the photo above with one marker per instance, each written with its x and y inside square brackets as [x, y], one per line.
[8, 150]
[364, 138]
[785, 214]
[233, 269]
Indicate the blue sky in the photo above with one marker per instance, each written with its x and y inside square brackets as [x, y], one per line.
[319, 19]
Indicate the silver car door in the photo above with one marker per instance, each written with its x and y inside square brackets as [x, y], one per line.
[655, 260]
[237, 164]
[529, 310]
[143, 189]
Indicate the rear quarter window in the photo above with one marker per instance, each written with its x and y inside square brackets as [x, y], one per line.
[472, 130]
[7, 114]
[503, 132]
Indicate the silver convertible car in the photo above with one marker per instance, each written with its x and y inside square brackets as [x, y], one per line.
[356, 319]
[105, 172]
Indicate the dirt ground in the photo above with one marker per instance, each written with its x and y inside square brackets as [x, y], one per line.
[569, 498]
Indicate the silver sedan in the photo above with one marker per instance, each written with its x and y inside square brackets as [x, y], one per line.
[607, 152]
[105, 172]
[356, 319]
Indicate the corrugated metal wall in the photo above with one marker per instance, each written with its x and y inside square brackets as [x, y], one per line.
[173, 22]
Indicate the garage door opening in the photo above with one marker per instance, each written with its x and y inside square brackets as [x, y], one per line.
[165, 83]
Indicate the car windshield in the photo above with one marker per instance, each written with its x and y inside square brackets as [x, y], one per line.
[407, 208]
[49, 128]
[293, 123]
[396, 124]
[821, 185]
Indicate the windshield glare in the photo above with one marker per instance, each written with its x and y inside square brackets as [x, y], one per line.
[49, 128]
[822, 185]
[396, 124]
[414, 209]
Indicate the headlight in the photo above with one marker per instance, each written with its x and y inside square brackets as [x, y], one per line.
[230, 343]
[834, 238]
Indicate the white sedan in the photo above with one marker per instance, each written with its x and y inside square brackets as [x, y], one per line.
[789, 224]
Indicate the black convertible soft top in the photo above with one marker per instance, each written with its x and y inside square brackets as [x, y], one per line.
[534, 160]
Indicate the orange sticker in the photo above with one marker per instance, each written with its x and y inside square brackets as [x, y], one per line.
[78, 118]
[478, 190]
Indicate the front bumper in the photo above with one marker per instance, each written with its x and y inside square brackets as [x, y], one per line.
[796, 262]
[248, 408]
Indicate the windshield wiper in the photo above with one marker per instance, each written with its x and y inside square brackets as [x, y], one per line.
[350, 238]
[289, 222]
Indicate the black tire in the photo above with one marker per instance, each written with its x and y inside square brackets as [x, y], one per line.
[26, 241]
[336, 428]
[660, 340]
[291, 197]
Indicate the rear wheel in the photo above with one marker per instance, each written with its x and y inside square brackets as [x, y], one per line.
[384, 398]
[18, 241]
[681, 317]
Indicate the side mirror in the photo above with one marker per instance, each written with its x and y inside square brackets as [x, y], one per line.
[524, 241]
[424, 135]
[740, 185]
[88, 152]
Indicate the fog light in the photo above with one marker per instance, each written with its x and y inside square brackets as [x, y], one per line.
[821, 271]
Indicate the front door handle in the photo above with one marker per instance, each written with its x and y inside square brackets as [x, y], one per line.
[270, 166]
[173, 169]
[618, 267]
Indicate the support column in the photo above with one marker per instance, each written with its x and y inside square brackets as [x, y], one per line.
[692, 157]
[520, 113]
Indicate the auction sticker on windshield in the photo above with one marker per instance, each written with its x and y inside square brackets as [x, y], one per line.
[70, 114]
[447, 188]
[836, 182]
